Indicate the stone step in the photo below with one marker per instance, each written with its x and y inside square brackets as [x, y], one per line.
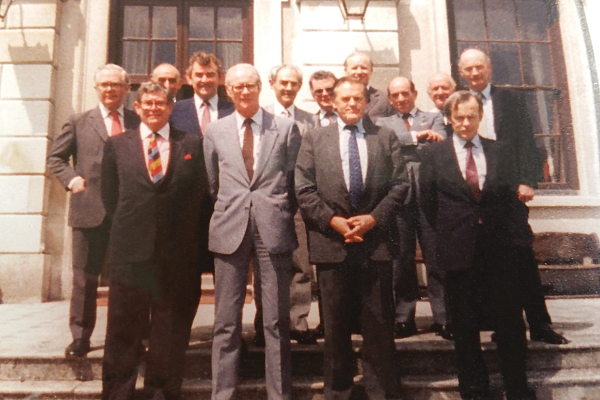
[550, 385]
[420, 355]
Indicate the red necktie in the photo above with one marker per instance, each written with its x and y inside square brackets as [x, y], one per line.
[248, 148]
[205, 117]
[405, 117]
[472, 177]
[116, 127]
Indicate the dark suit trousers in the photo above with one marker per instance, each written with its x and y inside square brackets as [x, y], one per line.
[140, 293]
[412, 224]
[370, 283]
[488, 290]
[89, 250]
[534, 301]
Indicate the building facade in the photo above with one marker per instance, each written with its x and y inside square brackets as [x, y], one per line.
[50, 49]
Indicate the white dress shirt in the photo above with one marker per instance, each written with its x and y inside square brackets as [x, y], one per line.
[281, 111]
[362, 150]
[108, 119]
[478, 156]
[162, 141]
[256, 126]
[488, 131]
[213, 107]
[323, 121]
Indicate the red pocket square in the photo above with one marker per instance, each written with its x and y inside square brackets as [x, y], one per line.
[187, 157]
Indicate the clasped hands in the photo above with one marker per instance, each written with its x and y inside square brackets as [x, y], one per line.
[354, 228]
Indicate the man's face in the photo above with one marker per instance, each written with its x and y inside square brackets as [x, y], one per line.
[205, 80]
[154, 110]
[359, 67]
[475, 69]
[168, 76]
[439, 91]
[244, 91]
[350, 102]
[465, 119]
[321, 90]
[286, 87]
[111, 89]
[401, 96]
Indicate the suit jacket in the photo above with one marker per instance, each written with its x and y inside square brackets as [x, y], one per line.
[305, 120]
[421, 122]
[269, 194]
[513, 125]
[185, 115]
[456, 217]
[322, 192]
[160, 220]
[378, 104]
[83, 138]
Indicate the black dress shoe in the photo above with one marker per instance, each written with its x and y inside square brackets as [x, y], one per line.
[442, 330]
[259, 339]
[320, 331]
[78, 348]
[405, 329]
[304, 337]
[544, 333]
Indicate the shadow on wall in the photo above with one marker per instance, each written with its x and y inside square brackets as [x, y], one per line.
[409, 38]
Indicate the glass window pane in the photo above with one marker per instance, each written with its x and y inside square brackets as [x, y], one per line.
[506, 68]
[163, 52]
[469, 19]
[542, 106]
[207, 47]
[536, 64]
[135, 57]
[202, 23]
[229, 53]
[229, 23]
[136, 22]
[164, 22]
[533, 19]
[502, 24]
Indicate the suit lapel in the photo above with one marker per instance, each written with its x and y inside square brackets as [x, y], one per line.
[371, 138]
[98, 124]
[491, 161]
[230, 135]
[174, 157]
[448, 159]
[268, 137]
[331, 140]
[138, 156]
[497, 107]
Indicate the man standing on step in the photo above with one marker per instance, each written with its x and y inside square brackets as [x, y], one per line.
[440, 87]
[82, 139]
[415, 130]
[350, 182]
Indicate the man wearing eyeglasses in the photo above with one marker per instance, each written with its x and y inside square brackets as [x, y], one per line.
[82, 139]
[250, 157]
[321, 87]
[154, 188]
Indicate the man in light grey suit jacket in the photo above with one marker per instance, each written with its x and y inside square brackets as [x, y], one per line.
[286, 81]
[415, 129]
[250, 157]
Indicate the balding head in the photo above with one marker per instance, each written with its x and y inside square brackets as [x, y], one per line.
[402, 94]
[168, 76]
[359, 66]
[475, 66]
[441, 86]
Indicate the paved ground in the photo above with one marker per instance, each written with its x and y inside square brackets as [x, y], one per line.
[41, 329]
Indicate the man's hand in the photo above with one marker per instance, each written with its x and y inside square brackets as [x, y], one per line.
[78, 186]
[429, 136]
[525, 193]
[361, 224]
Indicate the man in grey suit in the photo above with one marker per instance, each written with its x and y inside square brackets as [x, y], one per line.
[82, 139]
[321, 87]
[286, 81]
[250, 157]
[415, 130]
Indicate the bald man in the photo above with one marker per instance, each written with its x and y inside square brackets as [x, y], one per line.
[440, 87]
[167, 75]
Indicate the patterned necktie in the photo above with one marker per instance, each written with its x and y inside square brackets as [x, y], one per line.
[405, 118]
[205, 117]
[248, 148]
[471, 175]
[356, 180]
[116, 127]
[154, 164]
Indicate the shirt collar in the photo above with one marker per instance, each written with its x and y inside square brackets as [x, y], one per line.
[461, 142]
[323, 112]
[213, 101]
[256, 118]
[164, 132]
[487, 92]
[278, 109]
[359, 125]
[105, 111]
[412, 112]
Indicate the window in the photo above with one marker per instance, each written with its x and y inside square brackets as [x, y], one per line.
[522, 38]
[150, 32]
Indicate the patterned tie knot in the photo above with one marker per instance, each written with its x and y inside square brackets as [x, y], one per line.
[469, 144]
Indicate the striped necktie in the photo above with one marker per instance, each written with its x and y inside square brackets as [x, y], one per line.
[154, 164]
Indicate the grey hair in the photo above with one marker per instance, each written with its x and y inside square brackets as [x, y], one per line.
[152, 87]
[112, 67]
[235, 68]
[275, 71]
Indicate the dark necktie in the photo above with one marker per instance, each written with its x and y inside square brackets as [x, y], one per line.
[205, 117]
[116, 127]
[472, 177]
[356, 181]
[248, 148]
[154, 163]
[329, 117]
[405, 118]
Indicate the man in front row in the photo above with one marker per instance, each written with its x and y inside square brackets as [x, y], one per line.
[250, 157]
[154, 187]
[468, 192]
[349, 184]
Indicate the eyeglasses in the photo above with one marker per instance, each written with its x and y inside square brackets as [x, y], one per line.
[252, 87]
[322, 91]
[108, 85]
[147, 105]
